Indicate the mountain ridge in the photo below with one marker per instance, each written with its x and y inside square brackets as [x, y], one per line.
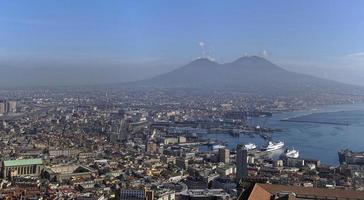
[247, 74]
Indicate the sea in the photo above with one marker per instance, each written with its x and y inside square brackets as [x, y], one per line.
[319, 141]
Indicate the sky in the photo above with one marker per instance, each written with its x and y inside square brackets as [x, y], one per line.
[322, 38]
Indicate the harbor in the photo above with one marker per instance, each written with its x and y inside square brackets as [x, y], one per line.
[309, 138]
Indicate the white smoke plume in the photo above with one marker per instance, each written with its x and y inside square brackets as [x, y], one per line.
[264, 53]
[206, 51]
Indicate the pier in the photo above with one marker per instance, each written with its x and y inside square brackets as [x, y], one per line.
[315, 122]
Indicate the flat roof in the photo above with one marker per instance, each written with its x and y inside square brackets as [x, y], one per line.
[36, 161]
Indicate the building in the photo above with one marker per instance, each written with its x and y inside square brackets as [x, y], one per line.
[295, 162]
[63, 152]
[2, 107]
[204, 194]
[170, 140]
[151, 148]
[226, 169]
[241, 163]
[22, 167]
[7, 107]
[224, 183]
[134, 194]
[261, 191]
[182, 139]
[64, 173]
[224, 155]
[182, 163]
[168, 159]
[165, 195]
[11, 107]
[352, 158]
[129, 194]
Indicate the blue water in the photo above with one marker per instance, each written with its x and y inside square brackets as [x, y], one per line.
[316, 141]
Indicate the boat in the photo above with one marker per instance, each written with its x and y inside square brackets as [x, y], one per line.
[292, 153]
[218, 146]
[272, 146]
[250, 146]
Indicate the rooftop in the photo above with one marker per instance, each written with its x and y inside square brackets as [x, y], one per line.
[9, 163]
[269, 191]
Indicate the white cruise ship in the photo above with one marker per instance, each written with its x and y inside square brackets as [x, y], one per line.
[217, 147]
[250, 146]
[271, 146]
[292, 153]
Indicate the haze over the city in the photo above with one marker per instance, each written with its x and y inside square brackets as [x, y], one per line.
[94, 42]
[181, 100]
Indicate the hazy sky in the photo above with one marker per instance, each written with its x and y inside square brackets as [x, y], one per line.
[301, 35]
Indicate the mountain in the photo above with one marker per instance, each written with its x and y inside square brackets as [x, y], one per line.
[251, 74]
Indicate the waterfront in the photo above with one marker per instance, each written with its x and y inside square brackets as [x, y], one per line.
[314, 140]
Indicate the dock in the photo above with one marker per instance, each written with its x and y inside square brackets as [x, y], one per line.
[315, 122]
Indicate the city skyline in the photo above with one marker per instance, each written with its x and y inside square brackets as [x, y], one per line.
[181, 100]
